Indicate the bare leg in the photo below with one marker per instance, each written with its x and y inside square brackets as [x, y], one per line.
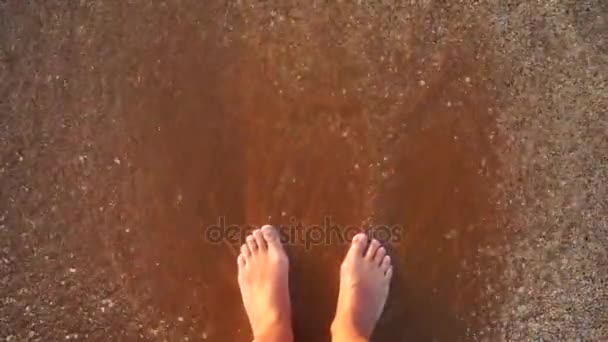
[364, 282]
[263, 269]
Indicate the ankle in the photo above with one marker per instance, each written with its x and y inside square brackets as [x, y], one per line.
[278, 332]
[347, 337]
[342, 332]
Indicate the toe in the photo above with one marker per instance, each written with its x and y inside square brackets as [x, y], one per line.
[253, 247]
[245, 252]
[371, 250]
[271, 236]
[357, 247]
[379, 256]
[259, 240]
[389, 273]
[386, 263]
[240, 260]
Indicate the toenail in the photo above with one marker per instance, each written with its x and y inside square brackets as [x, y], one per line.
[359, 237]
[267, 231]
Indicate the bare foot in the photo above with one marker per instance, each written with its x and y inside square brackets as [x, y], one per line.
[365, 276]
[263, 268]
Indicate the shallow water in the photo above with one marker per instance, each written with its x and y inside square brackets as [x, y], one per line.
[216, 139]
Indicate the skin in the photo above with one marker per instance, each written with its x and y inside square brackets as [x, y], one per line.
[262, 276]
[365, 277]
[263, 266]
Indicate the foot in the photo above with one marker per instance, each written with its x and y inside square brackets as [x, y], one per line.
[365, 276]
[263, 268]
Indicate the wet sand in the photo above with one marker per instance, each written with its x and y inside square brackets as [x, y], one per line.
[218, 137]
[473, 130]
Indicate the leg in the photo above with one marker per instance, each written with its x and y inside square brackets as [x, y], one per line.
[263, 269]
[364, 282]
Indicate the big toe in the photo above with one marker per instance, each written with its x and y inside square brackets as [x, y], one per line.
[271, 235]
[358, 245]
